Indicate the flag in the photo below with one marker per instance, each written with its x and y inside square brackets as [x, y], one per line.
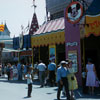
[1, 28]
[27, 28]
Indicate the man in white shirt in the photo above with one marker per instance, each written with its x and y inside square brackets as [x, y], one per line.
[41, 67]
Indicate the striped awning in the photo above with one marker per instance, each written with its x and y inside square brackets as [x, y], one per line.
[51, 32]
[53, 25]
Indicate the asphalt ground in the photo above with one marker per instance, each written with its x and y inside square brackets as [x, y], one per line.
[17, 90]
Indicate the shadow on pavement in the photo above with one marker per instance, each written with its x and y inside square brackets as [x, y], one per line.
[50, 93]
[37, 87]
[4, 79]
[26, 97]
[79, 94]
[13, 81]
[60, 99]
[36, 82]
[56, 89]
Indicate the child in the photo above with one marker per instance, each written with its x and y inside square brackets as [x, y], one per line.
[29, 82]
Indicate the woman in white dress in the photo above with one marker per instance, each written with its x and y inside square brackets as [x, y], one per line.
[91, 76]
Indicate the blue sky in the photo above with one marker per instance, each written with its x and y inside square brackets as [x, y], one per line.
[19, 12]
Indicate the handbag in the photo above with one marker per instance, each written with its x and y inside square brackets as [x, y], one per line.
[72, 78]
[97, 83]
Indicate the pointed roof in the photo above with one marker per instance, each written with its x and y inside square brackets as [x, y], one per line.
[6, 30]
[6, 33]
[34, 25]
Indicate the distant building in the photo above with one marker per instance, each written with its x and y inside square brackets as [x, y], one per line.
[8, 45]
[6, 33]
[23, 47]
[55, 8]
[24, 42]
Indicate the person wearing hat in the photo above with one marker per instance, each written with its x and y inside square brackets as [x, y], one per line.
[62, 80]
[72, 81]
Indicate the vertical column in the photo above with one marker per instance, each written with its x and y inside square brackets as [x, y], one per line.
[72, 43]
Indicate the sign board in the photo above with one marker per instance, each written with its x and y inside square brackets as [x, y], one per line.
[72, 44]
[52, 53]
[72, 55]
[74, 12]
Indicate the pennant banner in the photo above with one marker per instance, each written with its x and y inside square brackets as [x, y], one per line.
[93, 25]
[2, 28]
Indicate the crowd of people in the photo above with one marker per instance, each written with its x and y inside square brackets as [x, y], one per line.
[62, 75]
[16, 71]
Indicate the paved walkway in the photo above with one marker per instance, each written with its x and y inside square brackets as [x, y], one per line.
[17, 90]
